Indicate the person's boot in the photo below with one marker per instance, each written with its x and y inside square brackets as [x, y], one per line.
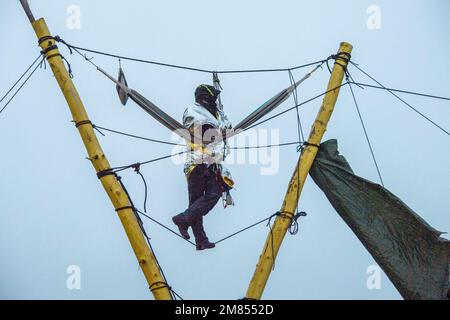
[182, 221]
[201, 239]
[205, 244]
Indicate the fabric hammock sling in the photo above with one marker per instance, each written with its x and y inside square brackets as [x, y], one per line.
[162, 117]
[124, 92]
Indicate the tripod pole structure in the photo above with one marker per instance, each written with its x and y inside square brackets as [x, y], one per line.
[305, 161]
[112, 186]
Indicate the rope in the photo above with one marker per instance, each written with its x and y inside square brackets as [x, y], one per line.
[293, 227]
[401, 91]
[294, 107]
[301, 136]
[134, 136]
[137, 168]
[24, 82]
[271, 238]
[266, 146]
[116, 56]
[20, 78]
[141, 226]
[366, 134]
[399, 98]
[165, 227]
[245, 229]
[122, 168]
[100, 129]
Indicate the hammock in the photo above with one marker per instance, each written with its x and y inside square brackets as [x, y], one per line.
[162, 117]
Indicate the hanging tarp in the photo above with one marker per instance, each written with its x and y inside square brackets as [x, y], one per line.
[411, 252]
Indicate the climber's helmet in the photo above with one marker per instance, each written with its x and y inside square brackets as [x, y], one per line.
[206, 95]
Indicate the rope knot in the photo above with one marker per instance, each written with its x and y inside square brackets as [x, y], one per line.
[136, 166]
[293, 226]
[302, 145]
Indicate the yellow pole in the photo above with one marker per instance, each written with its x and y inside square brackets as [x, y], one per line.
[290, 203]
[113, 188]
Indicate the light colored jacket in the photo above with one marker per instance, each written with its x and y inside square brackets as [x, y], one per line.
[194, 118]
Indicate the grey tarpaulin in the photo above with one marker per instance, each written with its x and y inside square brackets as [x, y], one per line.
[411, 252]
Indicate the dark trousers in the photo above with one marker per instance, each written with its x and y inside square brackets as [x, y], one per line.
[204, 192]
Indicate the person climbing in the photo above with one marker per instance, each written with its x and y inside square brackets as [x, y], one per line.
[206, 177]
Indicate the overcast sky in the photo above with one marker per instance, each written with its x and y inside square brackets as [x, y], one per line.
[55, 213]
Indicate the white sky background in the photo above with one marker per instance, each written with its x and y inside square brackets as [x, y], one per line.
[55, 212]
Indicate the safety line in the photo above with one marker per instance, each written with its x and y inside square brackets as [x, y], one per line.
[294, 107]
[399, 98]
[70, 46]
[294, 222]
[245, 229]
[366, 134]
[165, 227]
[20, 78]
[401, 91]
[301, 136]
[267, 146]
[136, 136]
[183, 145]
[21, 86]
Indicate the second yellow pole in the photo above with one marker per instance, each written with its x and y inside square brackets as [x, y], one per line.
[306, 159]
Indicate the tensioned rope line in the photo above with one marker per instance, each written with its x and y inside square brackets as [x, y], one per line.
[401, 91]
[366, 134]
[75, 48]
[293, 227]
[23, 83]
[121, 168]
[164, 226]
[98, 128]
[134, 136]
[294, 107]
[20, 78]
[301, 136]
[245, 229]
[399, 98]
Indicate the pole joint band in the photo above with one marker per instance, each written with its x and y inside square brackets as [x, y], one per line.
[106, 172]
[50, 48]
[83, 122]
[163, 285]
[45, 38]
[124, 208]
